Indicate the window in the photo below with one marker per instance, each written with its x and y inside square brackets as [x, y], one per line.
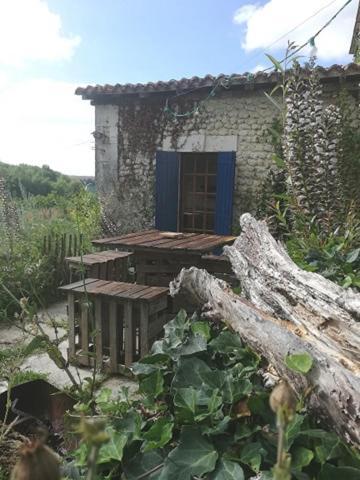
[198, 192]
[194, 191]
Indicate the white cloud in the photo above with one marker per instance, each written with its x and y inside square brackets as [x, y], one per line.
[43, 122]
[30, 31]
[243, 14]
[266, 23]
[257, 68]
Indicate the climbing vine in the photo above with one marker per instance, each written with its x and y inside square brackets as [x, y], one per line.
[142, 127]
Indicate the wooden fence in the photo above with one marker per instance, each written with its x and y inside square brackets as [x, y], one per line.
[61, 246]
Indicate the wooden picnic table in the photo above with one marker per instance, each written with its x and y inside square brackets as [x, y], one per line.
[159, 256]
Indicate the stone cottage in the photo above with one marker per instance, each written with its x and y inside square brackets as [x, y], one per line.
[189, 155]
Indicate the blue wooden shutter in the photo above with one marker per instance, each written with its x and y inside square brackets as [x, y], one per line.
[224, 192]
[167, 191]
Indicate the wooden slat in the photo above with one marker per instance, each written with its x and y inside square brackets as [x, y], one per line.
[211, 244]
[104, 270]
[73, 286]
[99, 332]
[158, 304]
[128, 333]
[114, 254]
[200, 240]
[120, 237]
[168, 240]
[144, 329]
[153, 292]
[114, 337]
[171, 243]
[91, 287]
[71, 314]
[116, 288]
[136, 292]
[140, 239]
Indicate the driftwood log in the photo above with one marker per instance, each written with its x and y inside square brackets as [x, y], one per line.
[283, 310]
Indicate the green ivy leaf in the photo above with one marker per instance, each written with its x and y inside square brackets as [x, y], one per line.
[353, 255]
[185, 401]
[130, 425]
[193, 456]
[299, 362]
[251, 455]
[301, 457]
[226, 342]
[201, 328]
[152, 385]
[159, 434]
[330, 472]
[227, 470]
[143, 463]
[194, 372]
[113, 449]
[174, 331]
[293, 429]
[244, 430]
[193, 344]
[234, 389]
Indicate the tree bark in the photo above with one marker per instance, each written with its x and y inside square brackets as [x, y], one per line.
[288, 310]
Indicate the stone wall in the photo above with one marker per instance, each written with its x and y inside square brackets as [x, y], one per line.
[127, 136]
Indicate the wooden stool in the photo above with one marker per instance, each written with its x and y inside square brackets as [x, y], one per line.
[106, 265]
[117, 323]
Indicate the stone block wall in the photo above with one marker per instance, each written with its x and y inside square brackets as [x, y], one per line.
[128, 135]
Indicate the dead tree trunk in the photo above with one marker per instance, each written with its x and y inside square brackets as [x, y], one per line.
[288, 310]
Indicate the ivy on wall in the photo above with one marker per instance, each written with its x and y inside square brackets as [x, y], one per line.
[142, 127]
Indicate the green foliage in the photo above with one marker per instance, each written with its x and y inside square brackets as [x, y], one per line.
[27, 376]
[30, 267]
[311, 198]
[203, 412]
[335, 256]
[299, 362]
[24, 180]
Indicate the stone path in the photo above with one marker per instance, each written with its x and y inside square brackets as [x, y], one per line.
[41, 363]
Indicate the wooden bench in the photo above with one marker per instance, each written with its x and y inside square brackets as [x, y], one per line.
[106, 265]
[116, 323]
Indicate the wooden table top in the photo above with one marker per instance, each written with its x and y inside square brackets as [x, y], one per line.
[174, 242]
[121, 290]
[98, 257]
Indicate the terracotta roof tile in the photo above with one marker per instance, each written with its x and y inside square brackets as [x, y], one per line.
[260, 78]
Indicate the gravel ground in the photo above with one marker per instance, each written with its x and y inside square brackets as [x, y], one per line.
[41, 363]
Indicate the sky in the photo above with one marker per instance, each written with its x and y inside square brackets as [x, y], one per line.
[49, 47]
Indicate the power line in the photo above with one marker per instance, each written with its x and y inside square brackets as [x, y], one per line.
[225, 82]
[292, 30]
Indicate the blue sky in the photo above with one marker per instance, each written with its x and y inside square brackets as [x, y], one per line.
[56, 45]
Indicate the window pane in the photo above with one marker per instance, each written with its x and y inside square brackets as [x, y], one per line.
[199, 222]
[188, 183]
[188, 202]
[212, 165]
[201, 164]
[199, 202]
[211, 186]
[200, 183]
[188, 221]
[188, 164]
[210, 222]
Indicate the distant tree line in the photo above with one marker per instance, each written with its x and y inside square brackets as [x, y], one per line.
[24, 180]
